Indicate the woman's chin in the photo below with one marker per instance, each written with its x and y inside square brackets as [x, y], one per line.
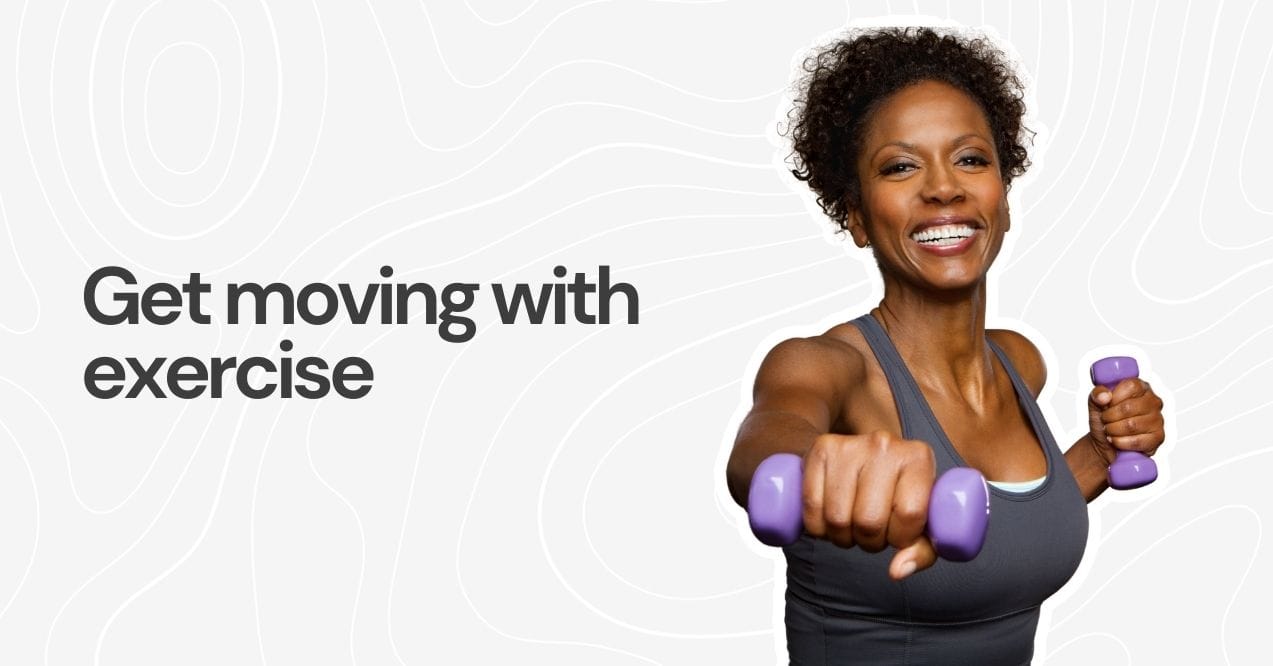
[951, 284]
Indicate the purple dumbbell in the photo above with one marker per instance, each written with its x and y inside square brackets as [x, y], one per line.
[958, 507]
[1130, 469]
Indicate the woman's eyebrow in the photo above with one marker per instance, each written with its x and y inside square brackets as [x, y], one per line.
[901, 144]
[964, 137]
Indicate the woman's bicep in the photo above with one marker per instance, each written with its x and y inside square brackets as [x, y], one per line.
[803, 378]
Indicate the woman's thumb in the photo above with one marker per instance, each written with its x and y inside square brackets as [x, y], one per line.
[915, 557]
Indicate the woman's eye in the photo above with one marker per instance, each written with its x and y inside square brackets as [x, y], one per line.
[973, 160]
[897, 167]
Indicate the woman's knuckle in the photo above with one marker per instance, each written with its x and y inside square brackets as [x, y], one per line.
[909, 511]
[812, 503]
[838, 521]
[868, 531]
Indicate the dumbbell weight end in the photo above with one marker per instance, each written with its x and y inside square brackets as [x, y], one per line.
[775, 500]
[959, 514]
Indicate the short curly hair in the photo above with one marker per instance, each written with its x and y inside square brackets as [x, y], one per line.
[846, 80]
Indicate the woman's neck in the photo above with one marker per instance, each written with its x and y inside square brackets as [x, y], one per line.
[943, 338]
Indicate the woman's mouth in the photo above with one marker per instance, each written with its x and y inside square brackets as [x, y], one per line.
[945, 235]
[947, 240]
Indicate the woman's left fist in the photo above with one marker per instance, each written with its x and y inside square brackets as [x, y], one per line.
[1129, 418]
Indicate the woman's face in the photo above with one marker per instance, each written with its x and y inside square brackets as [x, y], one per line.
[934, 205]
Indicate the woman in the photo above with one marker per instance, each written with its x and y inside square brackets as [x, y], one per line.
[911, 138]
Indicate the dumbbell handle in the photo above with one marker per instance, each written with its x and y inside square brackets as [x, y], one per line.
[1130, 469]
[958, 507]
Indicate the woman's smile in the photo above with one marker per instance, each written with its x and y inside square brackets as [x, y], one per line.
[946, 236]
[933, 201]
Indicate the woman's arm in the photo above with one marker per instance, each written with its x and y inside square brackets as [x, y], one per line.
[1089, 467]
[799, 393]
[860, 490]
[1131, 415]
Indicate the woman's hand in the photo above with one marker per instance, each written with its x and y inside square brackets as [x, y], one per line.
[871, 491]
[1129, 418]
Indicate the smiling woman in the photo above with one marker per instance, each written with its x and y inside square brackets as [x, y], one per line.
[911, 138]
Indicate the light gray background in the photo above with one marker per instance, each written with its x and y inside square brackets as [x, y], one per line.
[554, 494]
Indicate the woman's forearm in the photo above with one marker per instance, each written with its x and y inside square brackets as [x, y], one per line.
[1089, 468]
[761, 435]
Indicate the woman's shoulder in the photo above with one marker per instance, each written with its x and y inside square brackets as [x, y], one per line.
[834, 356]
[1025, 357]
[835, 346]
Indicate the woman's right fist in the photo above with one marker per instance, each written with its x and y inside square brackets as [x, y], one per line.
[871, 491]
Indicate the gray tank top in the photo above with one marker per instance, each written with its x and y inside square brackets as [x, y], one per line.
[842, 608]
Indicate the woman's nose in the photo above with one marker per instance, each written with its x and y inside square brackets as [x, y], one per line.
[941, 185]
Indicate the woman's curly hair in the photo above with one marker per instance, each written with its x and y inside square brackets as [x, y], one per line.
[846, 80]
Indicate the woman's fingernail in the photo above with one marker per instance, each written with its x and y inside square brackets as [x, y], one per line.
[907, 568]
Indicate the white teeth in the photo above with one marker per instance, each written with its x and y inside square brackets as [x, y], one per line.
[942, 242]
[947, 234]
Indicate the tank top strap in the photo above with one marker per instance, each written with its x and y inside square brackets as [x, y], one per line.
[1017, 382]
[1031, 407]
[907, 397]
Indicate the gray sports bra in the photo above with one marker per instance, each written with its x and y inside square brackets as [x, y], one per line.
[842, 608]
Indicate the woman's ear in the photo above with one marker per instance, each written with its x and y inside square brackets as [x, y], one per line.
[853, 222]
